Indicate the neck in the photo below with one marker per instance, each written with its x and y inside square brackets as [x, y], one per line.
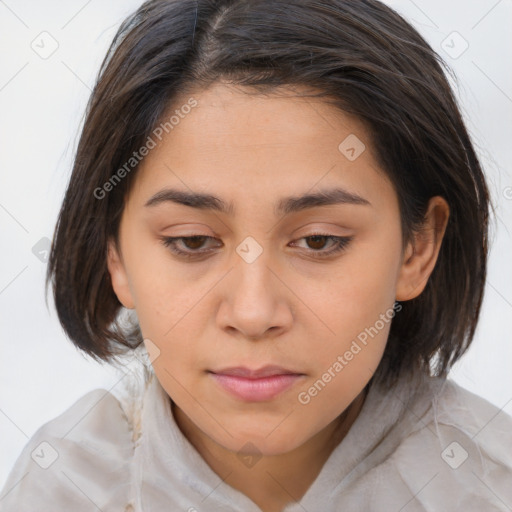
[275, 480]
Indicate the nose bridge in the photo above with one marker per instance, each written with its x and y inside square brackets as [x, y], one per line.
[253, 301]
[252, 273]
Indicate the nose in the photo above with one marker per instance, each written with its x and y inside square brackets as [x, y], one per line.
[255, 304]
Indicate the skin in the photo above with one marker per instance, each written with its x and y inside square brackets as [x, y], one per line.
[285, 308]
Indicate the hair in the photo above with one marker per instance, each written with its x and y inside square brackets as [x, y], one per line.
[360, 56]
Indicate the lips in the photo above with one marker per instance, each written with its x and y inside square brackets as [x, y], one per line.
[256, 385]
[266, 371]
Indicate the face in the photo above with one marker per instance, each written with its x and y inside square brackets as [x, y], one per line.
[273, 318]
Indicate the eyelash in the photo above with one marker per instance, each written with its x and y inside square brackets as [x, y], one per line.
[341, 243]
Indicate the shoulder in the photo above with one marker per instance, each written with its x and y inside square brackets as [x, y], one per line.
[458, 454]
[77, 461]
[459, 417]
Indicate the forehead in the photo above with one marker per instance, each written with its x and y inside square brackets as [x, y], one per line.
[237, 117]
[245, 145]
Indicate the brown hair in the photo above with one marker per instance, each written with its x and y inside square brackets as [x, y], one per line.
[359, 55]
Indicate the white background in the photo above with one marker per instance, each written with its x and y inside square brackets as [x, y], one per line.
[41, 106]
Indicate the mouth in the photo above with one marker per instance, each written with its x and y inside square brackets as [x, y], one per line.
[258, 385]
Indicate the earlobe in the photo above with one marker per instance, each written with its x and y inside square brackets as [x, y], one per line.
[119, 277]
[421, 253]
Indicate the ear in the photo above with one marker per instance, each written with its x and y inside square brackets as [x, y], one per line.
[118, 276]
[421, 253]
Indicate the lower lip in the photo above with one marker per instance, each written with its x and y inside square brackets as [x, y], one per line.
[256, 390]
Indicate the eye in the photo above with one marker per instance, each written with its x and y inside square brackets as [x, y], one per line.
[193, 246]
[187, 246]
[316, 244]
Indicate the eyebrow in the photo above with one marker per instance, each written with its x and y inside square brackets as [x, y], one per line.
[284, 206]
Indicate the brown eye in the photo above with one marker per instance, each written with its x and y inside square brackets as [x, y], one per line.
[196, 246]
[189, 246]
[317, 242]
[194, 242]
[320, 245]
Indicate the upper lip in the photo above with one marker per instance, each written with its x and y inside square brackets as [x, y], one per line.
[265, 371]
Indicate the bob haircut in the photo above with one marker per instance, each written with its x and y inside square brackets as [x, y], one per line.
[358, 55]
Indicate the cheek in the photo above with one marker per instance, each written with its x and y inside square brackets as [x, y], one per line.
[356, 293]
[343, 367]
[356, 309]
[162, 294]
